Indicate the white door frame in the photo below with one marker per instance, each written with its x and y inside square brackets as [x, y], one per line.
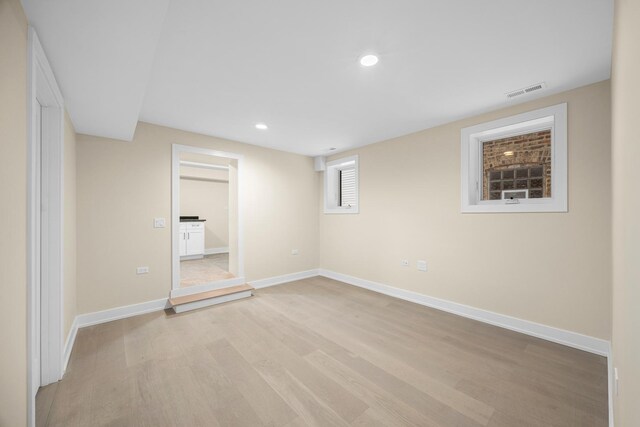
[45, 225]
[178, 149]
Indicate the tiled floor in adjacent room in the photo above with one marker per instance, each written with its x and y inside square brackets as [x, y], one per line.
[210, 268]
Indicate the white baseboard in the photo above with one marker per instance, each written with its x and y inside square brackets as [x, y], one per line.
[549, 333]
[213, 251]
[278, 280]
[90, 319]
[68, 345]
[95, 318]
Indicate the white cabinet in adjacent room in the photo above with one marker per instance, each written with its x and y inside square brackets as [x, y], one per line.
[183, 240]
[195, 240]
[191, 238]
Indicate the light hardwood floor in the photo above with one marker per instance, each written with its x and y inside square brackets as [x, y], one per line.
[319, 352]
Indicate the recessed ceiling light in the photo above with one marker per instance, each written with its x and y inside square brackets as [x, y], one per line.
[261, 126]
[508, 153]
[368, 60]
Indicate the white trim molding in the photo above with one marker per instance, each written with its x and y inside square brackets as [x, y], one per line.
[45, 227]
[104, 316]
[176, 150]
[549, 333]
[117, 313]
[285, 278]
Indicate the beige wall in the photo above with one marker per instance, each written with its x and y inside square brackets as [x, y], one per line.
[208, 200]
[69, 268]
[13, 213]
[122, 186]
[410, 209]
[626, 208]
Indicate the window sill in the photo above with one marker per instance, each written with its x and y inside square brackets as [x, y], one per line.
[341, 211]
[526, 206]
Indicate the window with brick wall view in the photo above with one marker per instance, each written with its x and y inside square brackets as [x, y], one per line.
[517, 167]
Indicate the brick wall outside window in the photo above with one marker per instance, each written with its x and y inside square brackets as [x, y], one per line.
[521, 170]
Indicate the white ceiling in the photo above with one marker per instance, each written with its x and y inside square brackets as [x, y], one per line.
[101, 53]
[218, 67]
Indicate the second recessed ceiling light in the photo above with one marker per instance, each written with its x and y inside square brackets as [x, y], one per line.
[368, 60]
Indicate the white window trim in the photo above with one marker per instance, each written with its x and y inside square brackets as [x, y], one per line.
[554, 118]
[331, 186]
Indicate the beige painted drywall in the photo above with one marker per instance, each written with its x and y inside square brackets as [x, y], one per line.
[122, 186]
[207, 196]
[13, 213]
[551, 268]
[69, 267]
[625, 80]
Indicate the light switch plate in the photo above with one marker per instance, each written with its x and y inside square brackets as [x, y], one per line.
[142, 270]
[294, 252]
[159, 223]
[421, 265]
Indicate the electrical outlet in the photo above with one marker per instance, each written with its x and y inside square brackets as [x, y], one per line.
[159, 223]
[142, 270]
[421, 265]
[404, 263]
[294, 252]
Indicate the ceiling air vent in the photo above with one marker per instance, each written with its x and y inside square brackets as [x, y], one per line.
[526, 90]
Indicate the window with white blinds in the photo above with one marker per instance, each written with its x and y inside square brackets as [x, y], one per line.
[341, 186]
[348, 188]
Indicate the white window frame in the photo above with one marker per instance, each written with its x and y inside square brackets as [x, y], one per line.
[472, 138]
[332, 183]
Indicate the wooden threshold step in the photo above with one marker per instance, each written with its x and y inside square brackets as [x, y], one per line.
[204, 299]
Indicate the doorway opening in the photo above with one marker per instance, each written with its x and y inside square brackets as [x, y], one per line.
[206, 226]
